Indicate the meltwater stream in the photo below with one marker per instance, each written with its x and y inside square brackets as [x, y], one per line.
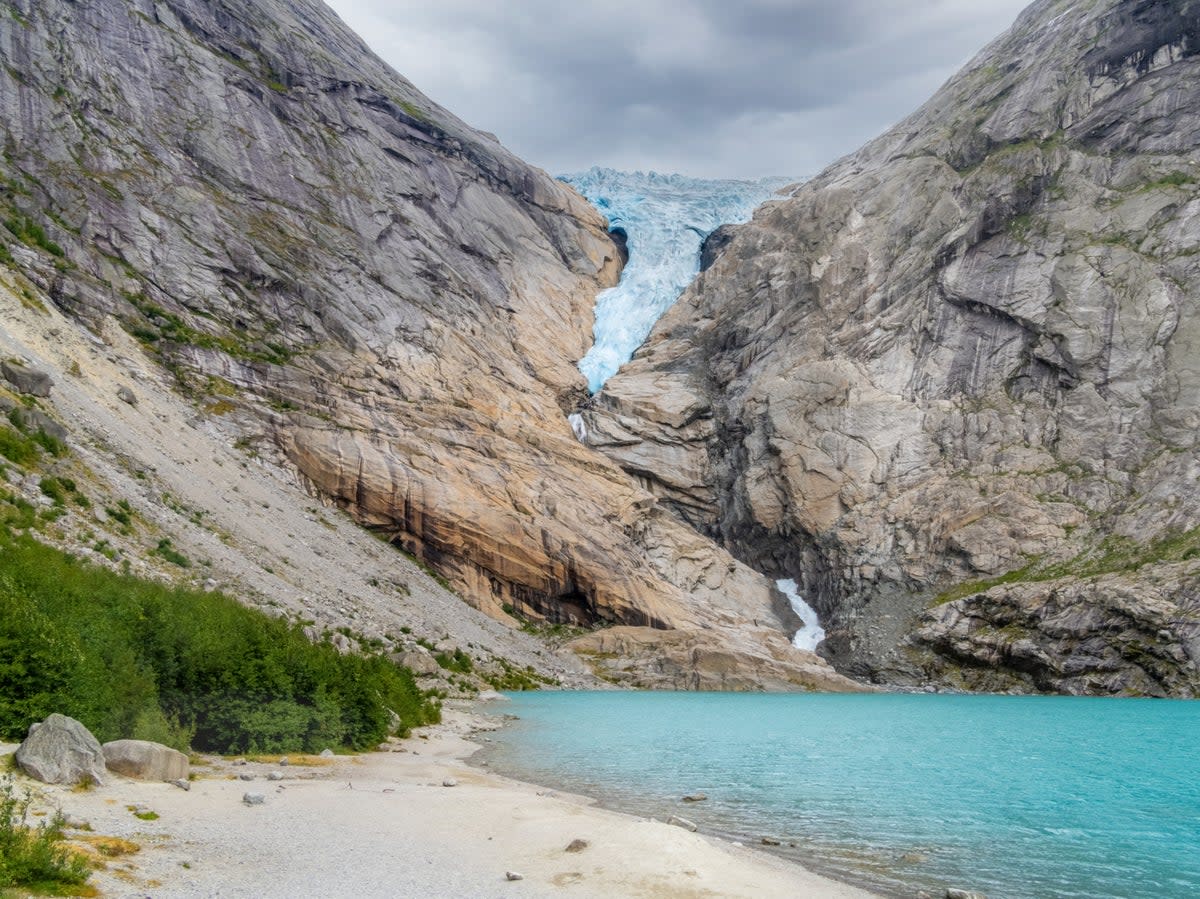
[1019, 797]
[665, 219]
[812, 633]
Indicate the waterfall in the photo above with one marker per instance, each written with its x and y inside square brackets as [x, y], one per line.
[811, 633]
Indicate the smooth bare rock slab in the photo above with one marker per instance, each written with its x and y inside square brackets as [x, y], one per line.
[145, 760]
[60, 750]
[682, 822]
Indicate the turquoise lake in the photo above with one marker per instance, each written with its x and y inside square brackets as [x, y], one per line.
[1020, 797]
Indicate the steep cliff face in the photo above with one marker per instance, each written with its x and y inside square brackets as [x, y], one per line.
[351, 281]
[954, 379]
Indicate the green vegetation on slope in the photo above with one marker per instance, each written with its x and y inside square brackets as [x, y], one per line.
[32, 856]
[135, 658]
[1112, 555]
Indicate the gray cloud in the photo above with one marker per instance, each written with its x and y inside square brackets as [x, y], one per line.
[704, 87]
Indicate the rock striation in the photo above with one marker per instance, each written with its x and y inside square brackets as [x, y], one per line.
[348, 280]
[951, 384]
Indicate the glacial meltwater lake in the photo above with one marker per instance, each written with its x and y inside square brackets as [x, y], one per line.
[1020, 797]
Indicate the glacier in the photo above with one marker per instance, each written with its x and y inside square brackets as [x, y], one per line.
[812, 633]
[665, 219]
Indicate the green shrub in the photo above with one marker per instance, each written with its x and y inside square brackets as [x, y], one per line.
[131, 657]
[172, 555]
[54, 489]
[456, 661]
[31, 233]
[122, 513]
[31, 856]
[16, 447]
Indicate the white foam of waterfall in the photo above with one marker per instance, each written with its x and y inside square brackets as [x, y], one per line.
[812, 633]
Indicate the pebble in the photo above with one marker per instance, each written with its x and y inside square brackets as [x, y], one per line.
[577, 845]
[183, 783]
[695, 797]
[513, 875]
[284, 761]
[245, 775]
[275, 775]
[253, 798]
[953, 893]
[682, 822]
[449, 782]
[326, 753]
[770, 841]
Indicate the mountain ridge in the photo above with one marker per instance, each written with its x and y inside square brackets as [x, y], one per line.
[949, 378]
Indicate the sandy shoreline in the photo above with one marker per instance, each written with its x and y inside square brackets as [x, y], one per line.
[383, 824]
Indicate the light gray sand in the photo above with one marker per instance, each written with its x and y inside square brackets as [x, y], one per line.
[382, 824]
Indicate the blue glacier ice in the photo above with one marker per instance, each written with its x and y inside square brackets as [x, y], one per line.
[666, 218]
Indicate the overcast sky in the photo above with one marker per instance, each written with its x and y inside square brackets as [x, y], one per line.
[712, 88]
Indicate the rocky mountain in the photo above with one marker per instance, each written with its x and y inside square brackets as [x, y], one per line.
[360, 294]
[956, 378]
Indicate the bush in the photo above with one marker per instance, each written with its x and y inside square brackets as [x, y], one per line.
[16, 447]
[135, 658]
[456, 661]
[31, 856]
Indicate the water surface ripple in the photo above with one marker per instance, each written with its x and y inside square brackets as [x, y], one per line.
[1020, 797]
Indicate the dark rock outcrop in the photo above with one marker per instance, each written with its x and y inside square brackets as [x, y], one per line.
[951, 383]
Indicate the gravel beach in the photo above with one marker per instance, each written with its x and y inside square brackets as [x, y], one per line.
[414, 821]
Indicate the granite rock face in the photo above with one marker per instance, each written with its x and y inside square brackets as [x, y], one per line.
[952, 385]
[145, 760]
[60, 750]
[349, 279]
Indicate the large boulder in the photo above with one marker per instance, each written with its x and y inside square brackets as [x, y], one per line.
[417, 662]
[26, 380]
[60, 750]
[144, 760]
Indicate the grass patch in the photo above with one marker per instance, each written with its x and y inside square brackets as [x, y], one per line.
[1174, 179]
[136, 658]
[32, 856]
[511, 679]
[17, 447]
[166, 551]
[457, 661]
[1112, 555]
[109, 847]
[30, 233]
[163, 325]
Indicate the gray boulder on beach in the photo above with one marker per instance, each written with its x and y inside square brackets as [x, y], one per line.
[60, 750]
[144, 760]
